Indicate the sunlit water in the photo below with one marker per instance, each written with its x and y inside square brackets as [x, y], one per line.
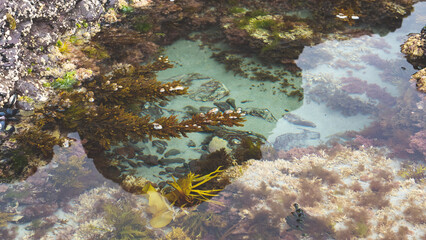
[60, 200]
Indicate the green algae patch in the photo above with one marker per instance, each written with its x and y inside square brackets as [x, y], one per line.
[95, 51]
[11, 21]
[66, 82]
[272, 28]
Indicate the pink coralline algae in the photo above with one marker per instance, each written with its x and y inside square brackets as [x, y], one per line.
[376, 61]
[346, 64]
[362, 141]
[355, 85]
[418, 143]
[374, 91]
[3, 188]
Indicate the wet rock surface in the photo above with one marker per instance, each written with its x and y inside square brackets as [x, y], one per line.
[29, 28]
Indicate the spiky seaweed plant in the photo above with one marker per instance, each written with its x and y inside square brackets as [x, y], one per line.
[185, 191]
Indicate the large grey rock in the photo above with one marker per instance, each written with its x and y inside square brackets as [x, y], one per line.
[288, 141]
[297, 120]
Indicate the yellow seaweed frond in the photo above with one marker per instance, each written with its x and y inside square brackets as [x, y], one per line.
[185, 192]
[412, 171]
[162, 212]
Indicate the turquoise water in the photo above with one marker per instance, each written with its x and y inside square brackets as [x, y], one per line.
[353, 184]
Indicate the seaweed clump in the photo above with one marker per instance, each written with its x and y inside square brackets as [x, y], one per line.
[101, 110]
[186, 191]
[415, 49]
[6, 217]
[409, 171]
[231, 62]
[37, 142]
[126, 222]
[210, 162]
[33, 145]
[249, 149]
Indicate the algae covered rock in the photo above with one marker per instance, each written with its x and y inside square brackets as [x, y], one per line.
[420, 79]
[415, 49]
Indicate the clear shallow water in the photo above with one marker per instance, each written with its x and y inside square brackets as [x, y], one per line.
[338, 188]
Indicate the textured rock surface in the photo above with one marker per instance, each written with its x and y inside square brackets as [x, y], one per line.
[28, 28]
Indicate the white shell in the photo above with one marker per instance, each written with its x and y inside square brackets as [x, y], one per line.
[12, 100]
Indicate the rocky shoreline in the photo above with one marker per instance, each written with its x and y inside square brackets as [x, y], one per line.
[28, 30]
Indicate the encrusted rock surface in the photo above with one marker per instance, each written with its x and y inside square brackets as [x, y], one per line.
[415, 49]
[28, 28]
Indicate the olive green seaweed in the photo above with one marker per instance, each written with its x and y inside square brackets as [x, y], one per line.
[127, 223]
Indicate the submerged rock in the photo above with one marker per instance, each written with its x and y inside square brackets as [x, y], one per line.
[288, 141]
[223, 106]
[231, 102]
[262, 113]
[191, 144]
[210, 91]
[186, 79]
[296, 120]
[160, 145]
[150, 160]
[171, 152]
[166, 161]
